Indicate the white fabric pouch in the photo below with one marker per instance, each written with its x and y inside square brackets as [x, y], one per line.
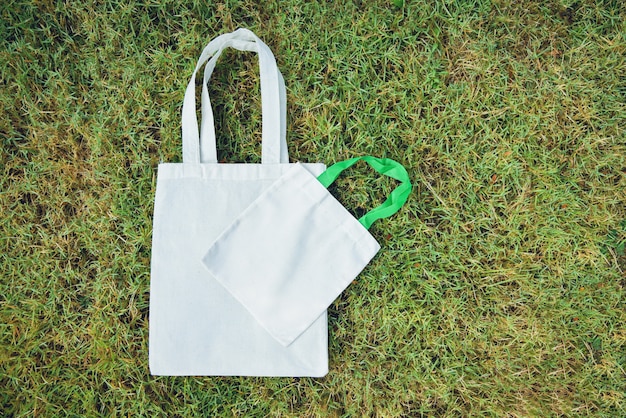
[296, 248]
[196, 326]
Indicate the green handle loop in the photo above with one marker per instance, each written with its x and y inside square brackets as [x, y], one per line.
[385, 166]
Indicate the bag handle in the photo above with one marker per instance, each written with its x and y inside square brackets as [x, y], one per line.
[208, 149]
[273, 100]
[385, 166]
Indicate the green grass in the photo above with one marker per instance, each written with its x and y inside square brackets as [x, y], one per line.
[500, 289]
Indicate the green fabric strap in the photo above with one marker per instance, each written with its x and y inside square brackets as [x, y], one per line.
[384, 166]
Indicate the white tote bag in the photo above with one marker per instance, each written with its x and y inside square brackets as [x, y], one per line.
[196, 326]
[296, 248]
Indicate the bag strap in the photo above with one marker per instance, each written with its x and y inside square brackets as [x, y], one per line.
[208, 149]
[385, 166]
[273, 101]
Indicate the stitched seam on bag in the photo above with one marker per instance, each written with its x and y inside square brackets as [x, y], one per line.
[236, 171]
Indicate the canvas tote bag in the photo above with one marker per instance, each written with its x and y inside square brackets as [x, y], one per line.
[196, 326]
[296, 248]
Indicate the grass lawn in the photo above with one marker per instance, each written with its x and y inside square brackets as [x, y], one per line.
[500, 288]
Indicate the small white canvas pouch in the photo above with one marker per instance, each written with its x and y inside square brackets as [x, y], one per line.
[296, 248]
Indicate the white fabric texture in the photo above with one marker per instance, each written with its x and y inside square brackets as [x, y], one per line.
[290, 254]
[196, 326]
